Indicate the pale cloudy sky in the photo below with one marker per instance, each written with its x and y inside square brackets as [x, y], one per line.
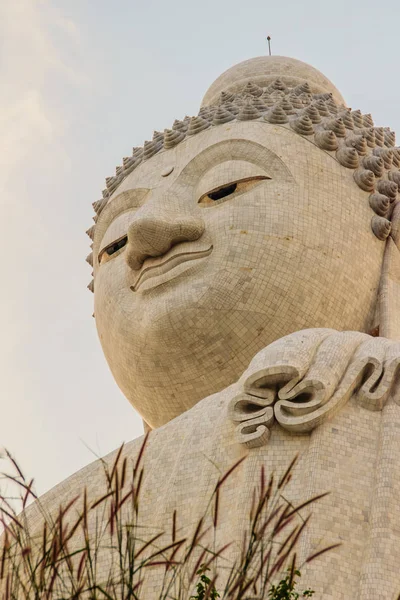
[81, 82]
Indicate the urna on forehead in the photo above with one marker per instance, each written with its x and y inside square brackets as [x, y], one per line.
[290, 94]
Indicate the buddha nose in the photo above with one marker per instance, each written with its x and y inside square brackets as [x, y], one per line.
[150, 236]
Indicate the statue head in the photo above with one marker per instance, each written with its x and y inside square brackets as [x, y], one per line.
[236, 227]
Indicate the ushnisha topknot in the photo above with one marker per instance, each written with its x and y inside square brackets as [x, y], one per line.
[347, 135]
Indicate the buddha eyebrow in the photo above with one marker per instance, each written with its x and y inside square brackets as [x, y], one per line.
[125, 201]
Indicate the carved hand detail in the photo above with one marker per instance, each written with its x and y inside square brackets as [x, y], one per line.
[302, 379]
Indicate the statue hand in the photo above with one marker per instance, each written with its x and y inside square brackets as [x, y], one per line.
[302, 379]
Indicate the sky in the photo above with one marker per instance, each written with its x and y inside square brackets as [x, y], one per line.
[81, 83]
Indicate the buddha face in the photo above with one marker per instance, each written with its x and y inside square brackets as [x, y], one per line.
[208, 252]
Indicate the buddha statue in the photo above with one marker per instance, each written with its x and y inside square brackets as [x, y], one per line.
[246, 290]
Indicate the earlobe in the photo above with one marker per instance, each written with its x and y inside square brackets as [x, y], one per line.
[389, 296]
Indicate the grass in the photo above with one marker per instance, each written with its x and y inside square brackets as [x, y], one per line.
[100, 549]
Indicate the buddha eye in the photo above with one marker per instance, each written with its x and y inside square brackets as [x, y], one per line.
[229, 190]
[109, 251]
[222, 192]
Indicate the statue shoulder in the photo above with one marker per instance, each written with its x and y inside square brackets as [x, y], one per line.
[158, 451]
[90, 478]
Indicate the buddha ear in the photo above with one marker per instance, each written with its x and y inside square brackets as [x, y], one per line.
[389, 292]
